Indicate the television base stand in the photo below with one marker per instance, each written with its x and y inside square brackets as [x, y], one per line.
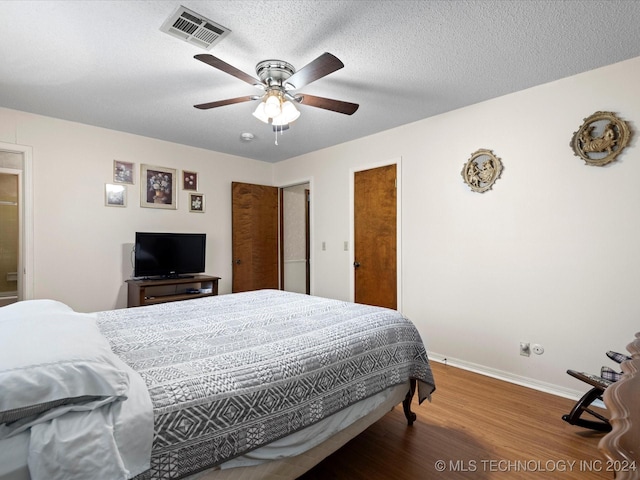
[142, 292]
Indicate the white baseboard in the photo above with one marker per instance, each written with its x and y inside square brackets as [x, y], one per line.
[511, 378]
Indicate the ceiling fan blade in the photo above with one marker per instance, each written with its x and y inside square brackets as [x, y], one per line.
[318, 68]
[328, 104]
[222, 103]
[230, 69]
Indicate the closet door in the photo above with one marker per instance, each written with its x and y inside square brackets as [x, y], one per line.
[375, 237]
[254, 218]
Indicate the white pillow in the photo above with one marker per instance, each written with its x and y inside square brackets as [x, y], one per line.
[30, 307]
[51, 356]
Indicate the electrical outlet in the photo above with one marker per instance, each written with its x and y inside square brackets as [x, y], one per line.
[525, 349]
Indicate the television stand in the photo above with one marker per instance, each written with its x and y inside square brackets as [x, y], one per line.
[142, 292]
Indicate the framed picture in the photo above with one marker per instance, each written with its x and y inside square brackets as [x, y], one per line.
[122, 172]
[157, 187]
[189, 180]
[196, 202]
[115, 195]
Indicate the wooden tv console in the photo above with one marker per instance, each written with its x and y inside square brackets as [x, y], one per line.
[143, 292]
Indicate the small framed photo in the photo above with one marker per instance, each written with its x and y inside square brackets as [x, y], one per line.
[196, 202]
[158, 187]
[115, 195]
[122, 172]
[189, 180]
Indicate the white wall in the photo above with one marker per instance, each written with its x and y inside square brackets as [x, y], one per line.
[549, 256]
[82, 248]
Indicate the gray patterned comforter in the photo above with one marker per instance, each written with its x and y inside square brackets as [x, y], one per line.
[230, 373]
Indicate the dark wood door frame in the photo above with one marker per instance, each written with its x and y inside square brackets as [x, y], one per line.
[281, 235]
[307, 236]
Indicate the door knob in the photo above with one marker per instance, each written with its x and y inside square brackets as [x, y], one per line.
[238, 262]
[356, 264]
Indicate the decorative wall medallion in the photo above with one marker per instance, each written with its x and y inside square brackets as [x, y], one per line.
[481, 170]
[601, 138]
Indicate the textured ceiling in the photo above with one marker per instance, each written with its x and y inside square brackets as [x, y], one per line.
[106, 63]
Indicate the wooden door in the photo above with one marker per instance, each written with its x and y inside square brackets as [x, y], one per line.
[375, 244]
[254, 218]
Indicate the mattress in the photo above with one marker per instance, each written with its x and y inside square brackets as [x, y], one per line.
[231, 373]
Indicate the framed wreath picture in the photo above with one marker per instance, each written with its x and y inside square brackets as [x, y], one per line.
[122, 172]
[189, 180]
[600, 139]
[157, 187]
[481, 170]
[196, 202]
[115, 195]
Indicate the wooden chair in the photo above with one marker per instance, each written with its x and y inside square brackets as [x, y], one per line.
[599, 385]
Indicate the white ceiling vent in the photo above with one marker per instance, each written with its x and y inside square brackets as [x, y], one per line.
[194, 28]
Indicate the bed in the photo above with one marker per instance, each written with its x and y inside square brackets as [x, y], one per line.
[260, 384]
[621, 445]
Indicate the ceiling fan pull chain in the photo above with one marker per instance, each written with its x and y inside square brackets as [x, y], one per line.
[276, 133]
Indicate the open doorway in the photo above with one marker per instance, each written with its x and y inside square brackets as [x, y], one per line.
[17, 160]
[271, 237]
[294, 248]
[10, 235]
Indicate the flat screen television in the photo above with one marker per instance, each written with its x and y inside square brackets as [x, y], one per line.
[169, 254]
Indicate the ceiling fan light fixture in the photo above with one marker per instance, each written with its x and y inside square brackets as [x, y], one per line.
[272, 106]
[279, 121]
[260, 114]
[290, 112]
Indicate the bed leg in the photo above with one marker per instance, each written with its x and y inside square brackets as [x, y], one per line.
[406, 403]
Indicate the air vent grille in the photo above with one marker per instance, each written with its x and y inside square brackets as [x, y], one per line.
[194, 28]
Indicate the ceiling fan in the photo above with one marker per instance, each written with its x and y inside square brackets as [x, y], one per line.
[278, 80]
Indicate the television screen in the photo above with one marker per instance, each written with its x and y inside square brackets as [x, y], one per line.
[169, 254]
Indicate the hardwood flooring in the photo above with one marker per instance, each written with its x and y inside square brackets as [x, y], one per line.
[476, 427]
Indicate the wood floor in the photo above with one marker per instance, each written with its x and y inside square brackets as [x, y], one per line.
[475, 428]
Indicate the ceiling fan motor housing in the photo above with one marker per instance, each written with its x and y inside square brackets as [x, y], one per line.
[274, 73]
